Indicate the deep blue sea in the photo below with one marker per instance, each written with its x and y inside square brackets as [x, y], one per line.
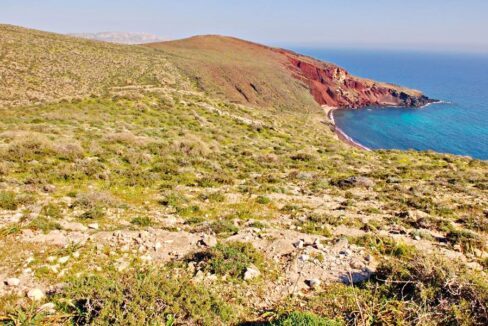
[458, 127]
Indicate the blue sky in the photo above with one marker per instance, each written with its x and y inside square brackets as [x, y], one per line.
[416, 24]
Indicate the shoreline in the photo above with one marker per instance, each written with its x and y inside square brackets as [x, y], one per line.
[328, 110]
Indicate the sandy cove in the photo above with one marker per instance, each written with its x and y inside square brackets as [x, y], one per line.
[341, 135]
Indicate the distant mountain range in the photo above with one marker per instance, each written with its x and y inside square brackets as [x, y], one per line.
[121, 37]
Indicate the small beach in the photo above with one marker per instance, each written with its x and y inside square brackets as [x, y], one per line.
[341, 135]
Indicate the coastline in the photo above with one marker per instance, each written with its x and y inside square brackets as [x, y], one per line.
[341, 135]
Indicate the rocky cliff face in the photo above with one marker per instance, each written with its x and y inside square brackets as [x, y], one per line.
[333, 86]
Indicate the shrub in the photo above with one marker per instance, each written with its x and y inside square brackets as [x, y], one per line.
[143, 297]
[263, 200]
[231, 258]
[223, 227]
[93, 213]
[304, 319]
[143, 221]
[468, 240]
[8, 200]
[44, 224]
[385, 245]
[51, 210]
[439, 286]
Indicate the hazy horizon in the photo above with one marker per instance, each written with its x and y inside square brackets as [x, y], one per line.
[447, 25]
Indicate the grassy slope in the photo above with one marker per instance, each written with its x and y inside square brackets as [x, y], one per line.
[229, 67]
[138, 157]
[37, 67]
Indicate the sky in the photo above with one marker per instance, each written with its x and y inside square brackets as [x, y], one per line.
[459, 25]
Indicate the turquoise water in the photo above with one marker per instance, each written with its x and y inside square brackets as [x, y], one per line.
[459, 126]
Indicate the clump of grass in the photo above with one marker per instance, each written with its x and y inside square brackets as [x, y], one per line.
[142, 221]
[96, 212]
[223, 227]
[298, 318]
[263, 200]
[44, 224]
[213, 197]
[469, 241]
[315, 228]
[231, 258]
[143, 297]
[51, 210]
[8, 200]
[385, 245]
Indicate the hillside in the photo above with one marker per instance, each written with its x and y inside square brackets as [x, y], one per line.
[38, 67]
[250, 73]
[130, 195]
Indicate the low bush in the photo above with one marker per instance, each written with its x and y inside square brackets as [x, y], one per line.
[143, 297]
[231, 259]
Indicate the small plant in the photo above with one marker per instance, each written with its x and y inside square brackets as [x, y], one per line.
[93, 213]
[231, 258]
[44, 224]
[304, 319]
[142, 221]
[468, 240]
[263, 200]
[8, 200]
[51, 210]
[223, 227]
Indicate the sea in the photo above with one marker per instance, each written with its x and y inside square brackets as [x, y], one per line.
[456, 125]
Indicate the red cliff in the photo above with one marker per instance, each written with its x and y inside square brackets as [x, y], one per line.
[333, 86]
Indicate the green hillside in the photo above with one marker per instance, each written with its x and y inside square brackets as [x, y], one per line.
[130, 195]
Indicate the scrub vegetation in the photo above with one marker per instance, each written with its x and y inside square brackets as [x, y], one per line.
[129, 195]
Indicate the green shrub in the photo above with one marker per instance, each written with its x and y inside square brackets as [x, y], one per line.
[51, 210]
[230, 258]
[304, 319]
[263, 200]
[143, 297]
[143, 221]
[8, 200]
[385, 245]
[93, 213]
[468, 240]
[223, 227]
[44, 224]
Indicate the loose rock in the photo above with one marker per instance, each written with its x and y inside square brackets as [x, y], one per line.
[36, 294]
[251, 273]
[12, 281]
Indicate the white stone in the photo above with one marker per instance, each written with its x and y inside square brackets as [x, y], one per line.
[299, 244]
[48, 308]
[209, 241]
[122, 266]
[157, 246]
[251, 273]
[313, 283]
[93, 226]
[36, 294]
[76, 254]
[304, 258]
[63, 260]
[12, 281]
